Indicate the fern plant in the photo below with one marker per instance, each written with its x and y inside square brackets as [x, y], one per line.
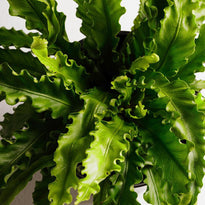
[108, 112]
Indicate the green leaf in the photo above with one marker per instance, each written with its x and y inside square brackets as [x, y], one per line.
[118, 188]
[30, 150]
[104, 154]
[20, 60]
[176, 37]
[31, 11]
[45, 94]
[77, 140]
[40, 194]
[169, 155]
[40, 15]
[143, 63]
[59, 66]
[100, 24]
[17, 120]
[141, 40]
[158, 191]
[15, 38]
[182, 102]
[12, 150]
[20, 181]
[199, 13]
[123, 85]
[195, 61]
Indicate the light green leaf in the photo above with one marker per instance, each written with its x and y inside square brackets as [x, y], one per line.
[158, 191]
[15, 38]
[69, 71]
[198, 85]
[104, 154]
[45, 94]
[72, 146]
[123, 85]
[176, 37]
[121, 186]
[143, 63]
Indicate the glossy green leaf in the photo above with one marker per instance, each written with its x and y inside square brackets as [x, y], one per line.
[195, 62]
[182, 101]
[103, 155]
[45, 94]
[77, 140]
[69, 71]
[176, 37]
[120, 188]
[41, 15]
[170, 156]
[107, 112]
[143, 63]
[100, 24]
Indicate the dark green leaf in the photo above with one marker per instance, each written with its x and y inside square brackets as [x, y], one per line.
[15, 38]
[45, 94]
[20, 60]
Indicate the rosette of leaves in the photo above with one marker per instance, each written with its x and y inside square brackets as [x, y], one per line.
[108, 112]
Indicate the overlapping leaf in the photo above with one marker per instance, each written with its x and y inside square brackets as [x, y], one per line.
[169, 155]
[100, 24]
[20, 60]
[176, 38]
[68, 71]
[21, 179]
[15, 38]
[17, 120]
[40, 195]
[182, 101]
[119, 187]
[40, 15]
[72, 146]
[45, 94]
[27, 153]
[104, 153]
[195, 62]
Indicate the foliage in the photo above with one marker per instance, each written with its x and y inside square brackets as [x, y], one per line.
[108, 112]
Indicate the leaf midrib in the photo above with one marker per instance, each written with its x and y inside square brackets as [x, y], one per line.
[21, 152]
[163, 61]
[36, 94]
[155, 186]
